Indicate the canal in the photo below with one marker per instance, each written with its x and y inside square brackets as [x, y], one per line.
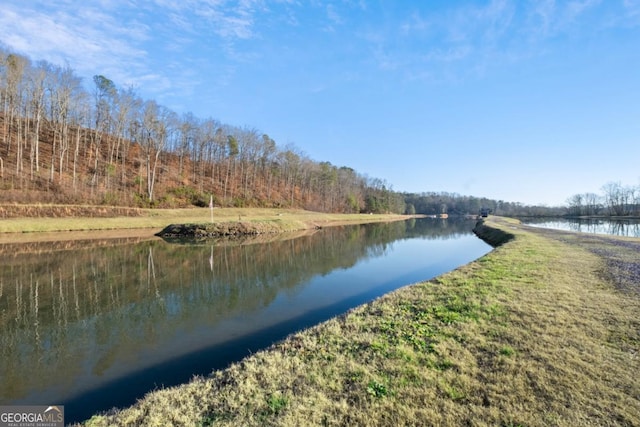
[97, 324]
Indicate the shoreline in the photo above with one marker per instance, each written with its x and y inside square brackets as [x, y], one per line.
[521, 336]
[150, 222]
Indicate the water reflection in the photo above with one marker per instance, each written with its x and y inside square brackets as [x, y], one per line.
[76, 319]
[617, 227]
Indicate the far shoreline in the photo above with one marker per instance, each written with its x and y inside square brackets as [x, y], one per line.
[147, 226]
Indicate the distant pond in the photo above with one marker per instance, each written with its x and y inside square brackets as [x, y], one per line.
[97, 324]
[614, 227]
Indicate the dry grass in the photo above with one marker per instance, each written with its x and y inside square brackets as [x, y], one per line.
[156, 219]
[529, 335]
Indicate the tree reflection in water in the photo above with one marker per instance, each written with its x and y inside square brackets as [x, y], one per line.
[76, 316]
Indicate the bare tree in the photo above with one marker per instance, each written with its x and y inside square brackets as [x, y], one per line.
[37, 86]
[89, 135]
[129, 104]
[15, 69]
[187, 135]
[66, 91]
[575, 204]
[615, 198]
[158, 127]
[592, 203]
[105, 93]
[232, 152]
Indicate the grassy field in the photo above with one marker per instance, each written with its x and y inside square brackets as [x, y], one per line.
[536, 333]
[153, 220]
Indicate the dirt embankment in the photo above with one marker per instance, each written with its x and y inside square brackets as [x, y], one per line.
[493, 236]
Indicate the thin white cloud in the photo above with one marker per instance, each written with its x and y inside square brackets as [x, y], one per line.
[479, 36]
[632, 7]
[498, 19]
[631, 14]
[477, 24]
[228, 19]
[547, 19]
[576, 8]
[122, 38]
[426, 39]
[451, 54]
[414, 24]
[333, 15]
[134, 44]
[541, 16]
[84, 37]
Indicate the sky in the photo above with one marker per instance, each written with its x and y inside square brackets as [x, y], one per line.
[527, 101]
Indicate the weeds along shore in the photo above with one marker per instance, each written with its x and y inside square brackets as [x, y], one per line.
[538, 332]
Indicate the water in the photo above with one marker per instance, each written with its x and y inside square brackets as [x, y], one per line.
[97, 324]
[614, 227]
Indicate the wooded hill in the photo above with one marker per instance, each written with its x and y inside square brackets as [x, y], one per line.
[61, 142]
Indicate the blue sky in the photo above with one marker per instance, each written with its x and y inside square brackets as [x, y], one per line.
[523, 101]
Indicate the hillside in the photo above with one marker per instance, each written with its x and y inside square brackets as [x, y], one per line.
[67, 142]
[89, 174]
[62, 141]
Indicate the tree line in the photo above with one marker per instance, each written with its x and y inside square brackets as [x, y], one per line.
[616, 199]
[63, 142]
[436, 203]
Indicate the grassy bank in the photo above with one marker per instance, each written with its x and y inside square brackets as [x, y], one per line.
[153, 220]
[533, 334]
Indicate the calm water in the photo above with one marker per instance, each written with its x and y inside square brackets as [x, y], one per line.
[629, 228]
[97, 324]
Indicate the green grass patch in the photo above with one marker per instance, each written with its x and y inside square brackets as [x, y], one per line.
[507, 351]
[377, 389]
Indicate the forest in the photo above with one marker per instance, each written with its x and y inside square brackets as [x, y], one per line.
[68, 142]
[61, 142]
[616, 200]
